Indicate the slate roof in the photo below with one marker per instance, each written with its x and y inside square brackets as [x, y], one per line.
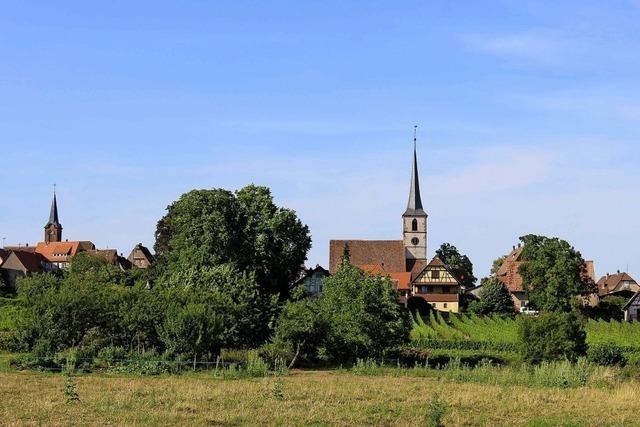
[53, 214]
[388, 253]
[414, 206]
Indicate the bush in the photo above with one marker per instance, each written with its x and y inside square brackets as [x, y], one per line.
[607, 355]
[366, 367]
[256, 367]
[10, 341]
[413, 356]
[552, 336]
[82, 359]
[436, 410]
[149, 363]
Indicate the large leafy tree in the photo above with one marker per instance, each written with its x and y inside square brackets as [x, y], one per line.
[553, 273]
[460, 264]
[245, 229]
[235, 297]
[363, 314]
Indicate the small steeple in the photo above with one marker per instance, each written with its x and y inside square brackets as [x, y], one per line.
[414, 207]
[53, 229]
[53, 214]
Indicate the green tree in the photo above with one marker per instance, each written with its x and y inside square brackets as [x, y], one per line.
[553, 273]
[302, 329]
[192, 330]
[497, 263]
[459, 264]
[552, 336]
[495, 298]
[363, 314]
[206, 228]
[248, 314]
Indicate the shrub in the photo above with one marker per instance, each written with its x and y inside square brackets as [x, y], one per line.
[606, 355]
[149, 363]
[81, 359]
[436, 410]
[562, 374]
[552, 336]
[413, 356]
[366, 367]
[112, 355]
[10, 341]
[256, 367]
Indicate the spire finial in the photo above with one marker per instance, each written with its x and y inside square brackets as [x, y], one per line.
[415, 136]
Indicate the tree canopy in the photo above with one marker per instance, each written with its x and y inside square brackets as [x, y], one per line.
[245, 229]
[460, 265]
[357, 316]
[553, 273]
[495, 298]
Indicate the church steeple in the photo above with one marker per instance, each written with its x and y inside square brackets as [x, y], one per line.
[53, 229]
[414, 207]
[414, 219]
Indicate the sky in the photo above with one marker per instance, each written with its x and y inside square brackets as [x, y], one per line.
[528, 117]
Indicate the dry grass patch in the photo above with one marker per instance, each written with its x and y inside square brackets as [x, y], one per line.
[304, 398]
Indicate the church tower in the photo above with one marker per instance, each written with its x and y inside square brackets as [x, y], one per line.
[53, 229]
[414, 219]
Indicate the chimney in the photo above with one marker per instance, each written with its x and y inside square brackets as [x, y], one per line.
[618, 270]
[519, 244]
[514, 247]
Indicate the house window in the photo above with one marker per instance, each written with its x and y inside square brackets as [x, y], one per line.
[444, 305]
[414, 225]
[435, 274]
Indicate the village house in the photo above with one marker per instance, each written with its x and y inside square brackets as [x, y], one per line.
[619, 284]
[311, 280]
[509, 275]
[53, 253]
[140, 256]
[404, 261]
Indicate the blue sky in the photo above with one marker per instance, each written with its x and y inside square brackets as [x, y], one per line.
[528, 117]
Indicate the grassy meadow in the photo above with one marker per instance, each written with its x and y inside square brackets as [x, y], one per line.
[306, 398]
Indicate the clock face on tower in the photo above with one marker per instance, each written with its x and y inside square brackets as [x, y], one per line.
[415, 241]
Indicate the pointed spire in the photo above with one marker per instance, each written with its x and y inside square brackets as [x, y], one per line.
[53, 215]
[414, 207]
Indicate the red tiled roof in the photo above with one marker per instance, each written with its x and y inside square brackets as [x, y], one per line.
[373, 269]
[388, 253]
[508, 273]
[402, 280]
[609, 283]
[32, 262]
[62, 251]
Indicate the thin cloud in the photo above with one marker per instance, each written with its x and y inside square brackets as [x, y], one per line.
[534, 46]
